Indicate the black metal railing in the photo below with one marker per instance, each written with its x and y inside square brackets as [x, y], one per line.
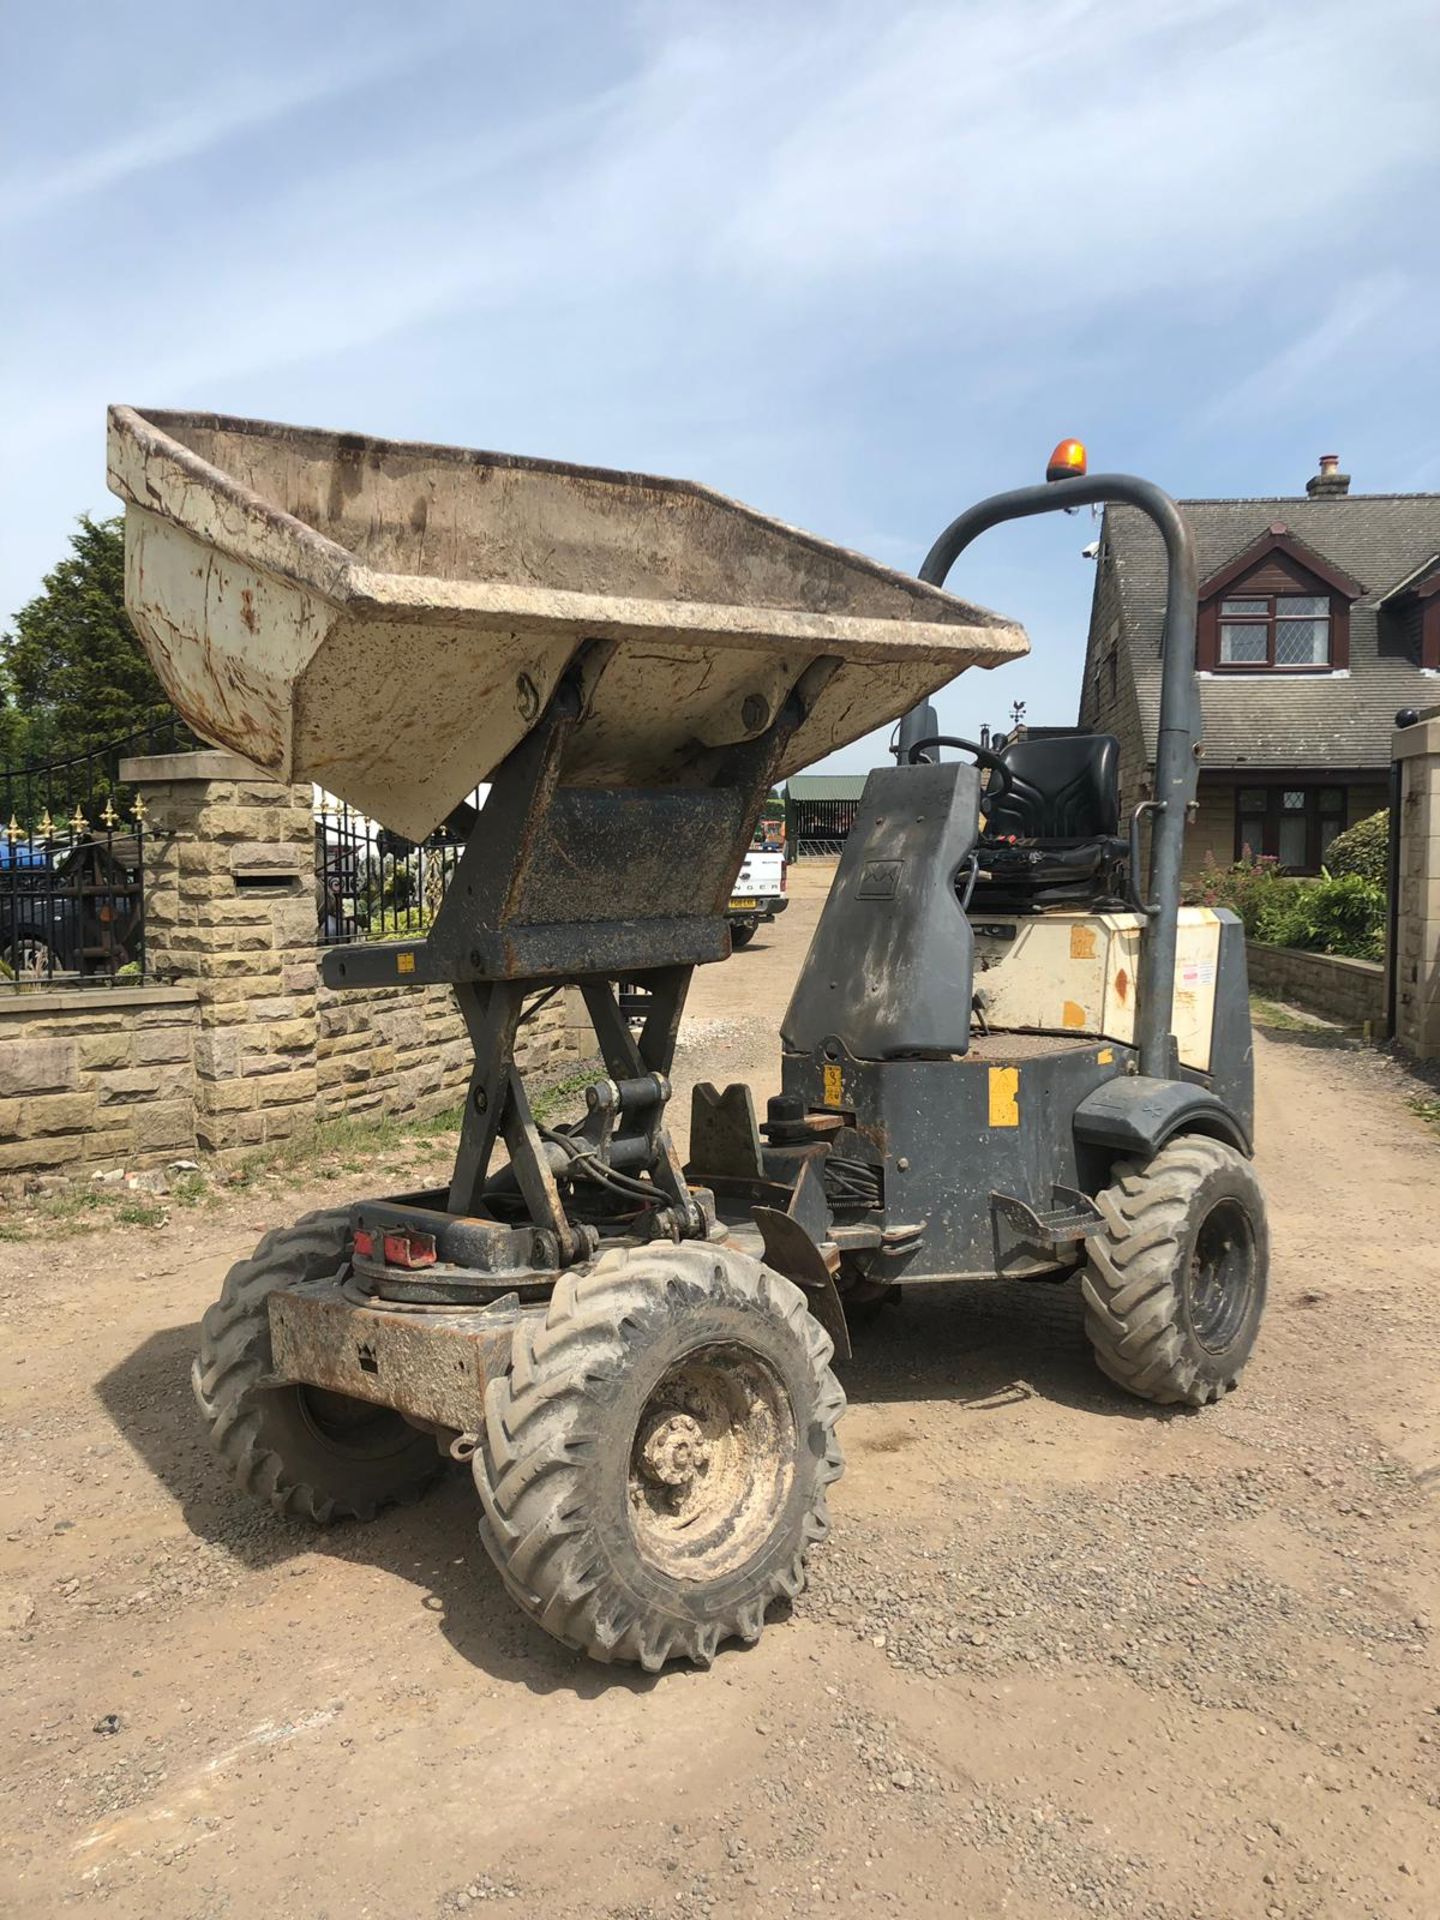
[816, 828]
[72, 888]
[372, 884]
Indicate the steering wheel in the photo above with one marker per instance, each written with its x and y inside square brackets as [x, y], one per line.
[1001, 778]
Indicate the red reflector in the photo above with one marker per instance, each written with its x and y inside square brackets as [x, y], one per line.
[409, 1249]
[364, 1243]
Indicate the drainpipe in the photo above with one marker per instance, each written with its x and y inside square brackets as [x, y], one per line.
[1407, 717]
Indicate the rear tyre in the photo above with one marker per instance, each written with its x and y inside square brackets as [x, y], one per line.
[302, 1451]
[654, 1461]
[1175, 1286]
[742, 936]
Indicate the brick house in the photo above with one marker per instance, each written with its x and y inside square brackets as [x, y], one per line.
[1319, 619]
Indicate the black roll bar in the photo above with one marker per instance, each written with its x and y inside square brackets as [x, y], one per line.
[1177, 748]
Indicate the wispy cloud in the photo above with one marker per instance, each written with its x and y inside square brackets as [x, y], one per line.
[855, 255]
[190, 128]
[965, 168]
[1357, 312]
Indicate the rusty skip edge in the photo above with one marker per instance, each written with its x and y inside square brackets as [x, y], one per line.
[430, 1365]
[149, 467]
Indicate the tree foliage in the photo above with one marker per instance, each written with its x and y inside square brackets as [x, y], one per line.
[73, 674]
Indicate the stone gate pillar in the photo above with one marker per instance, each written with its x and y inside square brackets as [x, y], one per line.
[1417, 946]
[230, 909]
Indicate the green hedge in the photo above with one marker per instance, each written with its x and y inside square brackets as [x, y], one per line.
[1341, 913]
[1363, 849]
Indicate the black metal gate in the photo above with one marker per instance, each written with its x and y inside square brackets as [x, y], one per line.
[72, 843]
[371, 884]
[818, 827]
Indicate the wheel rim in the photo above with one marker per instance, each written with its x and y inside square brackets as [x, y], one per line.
[712, 1463]
[1222, 1276]
[352, 1428]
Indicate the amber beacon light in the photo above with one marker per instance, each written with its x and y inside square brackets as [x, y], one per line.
[1067, 462]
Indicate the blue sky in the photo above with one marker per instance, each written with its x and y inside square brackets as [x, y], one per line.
[856, 263]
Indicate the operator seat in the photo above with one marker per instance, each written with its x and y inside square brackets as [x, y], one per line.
[1051, 838]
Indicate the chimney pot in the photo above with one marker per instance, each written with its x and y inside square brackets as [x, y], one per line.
[1329, 483]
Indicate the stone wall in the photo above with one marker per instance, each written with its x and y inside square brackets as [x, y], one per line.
[95, 1079]
[237, 1044]
[1417, 946]
[1350, 991]
[399, 1050]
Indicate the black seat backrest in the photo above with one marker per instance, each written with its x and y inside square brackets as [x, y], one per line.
[1063, 788]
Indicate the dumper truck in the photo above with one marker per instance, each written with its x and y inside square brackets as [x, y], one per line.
[1006, 1055]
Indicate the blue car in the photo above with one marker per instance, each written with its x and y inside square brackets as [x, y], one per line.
[69, 909]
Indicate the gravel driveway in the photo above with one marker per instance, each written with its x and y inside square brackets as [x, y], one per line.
[1063, 1655]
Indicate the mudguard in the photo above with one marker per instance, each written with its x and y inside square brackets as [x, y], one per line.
[1136, 1115]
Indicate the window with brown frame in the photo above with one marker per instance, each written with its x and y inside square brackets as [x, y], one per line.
[1274, 632]
[1291, 825]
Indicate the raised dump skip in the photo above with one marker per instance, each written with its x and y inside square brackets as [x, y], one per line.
[390, 619]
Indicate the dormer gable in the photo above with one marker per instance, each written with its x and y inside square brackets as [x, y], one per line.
[1277, 606]
[1412, 610]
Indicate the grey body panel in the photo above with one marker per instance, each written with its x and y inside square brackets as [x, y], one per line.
[1232, 1041]
[890, 971]
[930, 1125]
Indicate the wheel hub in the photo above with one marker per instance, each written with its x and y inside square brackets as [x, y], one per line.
[1222, 1275]
[675, 1451]
[711, 1464]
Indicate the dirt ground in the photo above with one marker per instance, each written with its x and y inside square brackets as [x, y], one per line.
[1062, 1655]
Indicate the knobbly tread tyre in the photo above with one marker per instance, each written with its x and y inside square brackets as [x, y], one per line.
[263, 1433]
[560, 1425]
[1135, 1275]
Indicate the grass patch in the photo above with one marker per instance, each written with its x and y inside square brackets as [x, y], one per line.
[1269, 1013]
[140, 1213]
[330, 1150]
[347, 1143]
[551, 1102]
[1428, 1110]
[76, 1210]
[1271, 1016]
[190, 1189]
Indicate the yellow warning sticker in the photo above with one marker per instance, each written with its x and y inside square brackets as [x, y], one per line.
[404, 963]
[834, 1091]
[1105, 1057]
[1004, 1096]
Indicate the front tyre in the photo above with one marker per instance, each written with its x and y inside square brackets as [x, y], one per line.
[300, 1450]
[654, 1461]
[1175, 1286]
